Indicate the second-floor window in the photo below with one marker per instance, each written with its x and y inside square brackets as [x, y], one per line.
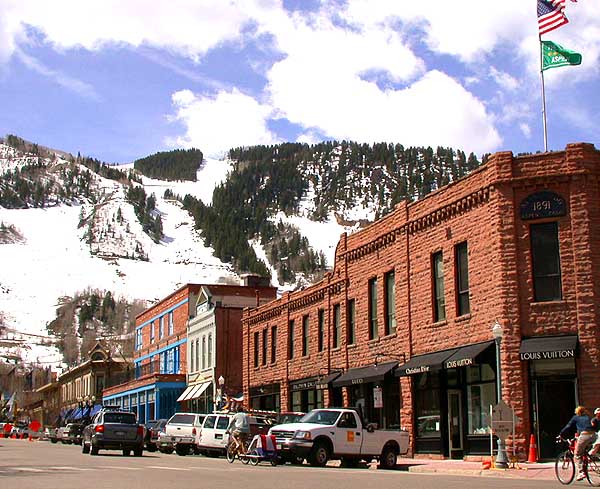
[193, 355]
[321, 330]
[373, 326]
[273, 344]
[203, 352]
[171, 323]
[545, 255]
[351, 322]
[305, 337]
[161, 327]
[461, 267]
[390, 303]
[152, 332]
[138, 339]
[265, 346]
[291, 339]
[256, 349]
[337, 326]
[209, 353]
[439, 303]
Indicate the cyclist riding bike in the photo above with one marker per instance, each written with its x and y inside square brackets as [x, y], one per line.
[239, 427]
[582, 423]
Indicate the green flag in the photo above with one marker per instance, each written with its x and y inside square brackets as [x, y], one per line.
[554, 55]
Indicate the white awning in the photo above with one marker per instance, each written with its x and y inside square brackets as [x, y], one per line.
[187, 390]
[199, 390]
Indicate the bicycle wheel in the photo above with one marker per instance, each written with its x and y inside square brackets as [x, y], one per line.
[231, 452]
[593, 472]
[564, 467]
[253, 457]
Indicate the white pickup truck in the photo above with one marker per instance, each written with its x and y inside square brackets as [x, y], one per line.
[334, 433]
[180, 433]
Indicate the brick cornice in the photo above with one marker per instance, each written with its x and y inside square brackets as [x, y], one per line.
[433, 218]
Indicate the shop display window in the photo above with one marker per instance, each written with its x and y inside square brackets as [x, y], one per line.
[427, 405]
[481, 394]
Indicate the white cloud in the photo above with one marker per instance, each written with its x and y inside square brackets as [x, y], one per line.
[216, 124]
[525, 129]
[505, 80]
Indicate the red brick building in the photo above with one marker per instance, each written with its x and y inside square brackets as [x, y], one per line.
[176, 372]
[402, 326]
[159, 357]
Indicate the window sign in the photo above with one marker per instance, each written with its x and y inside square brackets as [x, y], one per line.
[377, 397]
[543, 204]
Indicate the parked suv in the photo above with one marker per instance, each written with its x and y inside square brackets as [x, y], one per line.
[180, 433]
[113, 430]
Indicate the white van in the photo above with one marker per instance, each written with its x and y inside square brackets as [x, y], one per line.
[212, 439]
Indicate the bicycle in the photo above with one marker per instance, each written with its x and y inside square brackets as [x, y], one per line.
[564, 467]
[233, 450]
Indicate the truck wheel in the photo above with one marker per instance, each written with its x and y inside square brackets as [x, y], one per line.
[182, 450]
[53, 440]
[388, 458]
[319, 455]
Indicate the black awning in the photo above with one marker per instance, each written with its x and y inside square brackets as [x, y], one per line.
[548, 347]
[321, 382]
[466, 355]
[364, 375]
[425, 363]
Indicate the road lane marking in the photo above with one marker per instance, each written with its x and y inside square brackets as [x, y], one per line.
[167, 468]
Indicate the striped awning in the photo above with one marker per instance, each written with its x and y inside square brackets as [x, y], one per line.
[185, 393]
[200, 388]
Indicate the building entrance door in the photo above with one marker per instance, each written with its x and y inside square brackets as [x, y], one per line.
[455, 424]
[554, 405]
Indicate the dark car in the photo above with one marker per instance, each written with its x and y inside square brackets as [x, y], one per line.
[152, 429]
[113, 430]
[73, 433]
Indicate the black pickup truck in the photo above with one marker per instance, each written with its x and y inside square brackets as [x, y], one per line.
[113, 430]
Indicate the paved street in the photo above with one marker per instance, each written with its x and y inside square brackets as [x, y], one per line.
[32, 465]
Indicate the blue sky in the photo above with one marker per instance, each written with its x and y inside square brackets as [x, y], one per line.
[118, 80]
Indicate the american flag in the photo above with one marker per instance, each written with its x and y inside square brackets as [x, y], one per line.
[551, 15]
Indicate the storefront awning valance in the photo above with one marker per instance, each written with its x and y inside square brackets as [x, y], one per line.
[313, 382]
[186, 392]
[425, 363]
[198, 391]
[548, 347]
[364, 375]
[467, 355]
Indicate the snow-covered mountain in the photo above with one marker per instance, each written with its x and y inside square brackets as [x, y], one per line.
[50, 253]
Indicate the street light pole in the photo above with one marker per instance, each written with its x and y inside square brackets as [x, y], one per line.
[497, 332]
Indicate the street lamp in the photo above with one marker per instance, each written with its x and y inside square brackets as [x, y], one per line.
[497, 332]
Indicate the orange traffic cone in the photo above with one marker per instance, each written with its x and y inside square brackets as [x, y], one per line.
[532, 450]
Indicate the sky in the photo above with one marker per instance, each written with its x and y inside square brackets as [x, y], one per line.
[121, 79]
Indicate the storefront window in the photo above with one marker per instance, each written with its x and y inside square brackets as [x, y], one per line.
[481, 394]
[306, 400]
[427, 405]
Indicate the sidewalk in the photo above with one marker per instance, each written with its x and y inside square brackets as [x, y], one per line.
[541, 471]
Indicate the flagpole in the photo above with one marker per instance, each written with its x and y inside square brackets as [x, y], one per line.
[543, 96]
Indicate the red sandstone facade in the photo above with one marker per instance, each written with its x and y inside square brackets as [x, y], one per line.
[522, 229]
